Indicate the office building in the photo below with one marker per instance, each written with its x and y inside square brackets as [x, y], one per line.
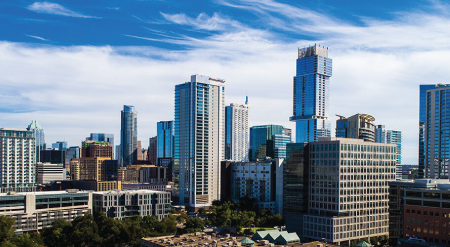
[276, 147]
[237, 136]
[126, 204]
[33, 211]
[128, 135]
[61, 145]
[152, 149]
[422, 119]
[295, 185]
[101, 137]
[145, 173]
[72, 153]
[426, 212]
[436, 132]
[92, 168]
[261, 141]
[39, 136]
[87, 185]
[93, 149]
[384, 135]
[348, 189]
[358, 126]
[164, 140]
[48, 172]
[199, 139]
[53, 156]
[311, 94]
[255, 180]
[17, 156]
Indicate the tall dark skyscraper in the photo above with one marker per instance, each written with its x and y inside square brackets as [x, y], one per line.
[164, 147]
[311, 94]
[128, 135]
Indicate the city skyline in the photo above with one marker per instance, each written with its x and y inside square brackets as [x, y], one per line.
[231, 40]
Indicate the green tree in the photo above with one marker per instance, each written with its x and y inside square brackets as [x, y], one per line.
[108, 229]
[194, 225]
[27, 240]
[6, 229]
[58, 234]
[86, 231]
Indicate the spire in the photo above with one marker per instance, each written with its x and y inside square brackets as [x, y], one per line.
[246, 99]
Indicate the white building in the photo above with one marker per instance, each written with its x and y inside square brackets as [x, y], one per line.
[48, 172]
[32, 211]
[17, 156]
[121, 204]
[348, 189]
[237, 133]
[199, 140]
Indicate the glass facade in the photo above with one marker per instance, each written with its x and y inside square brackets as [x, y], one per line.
[311, 94]
[422, 120]
[437, 132]
[262, 141]
[199, 135]
[128, 135]
[102, 137]
[39, 135]
[165, 133]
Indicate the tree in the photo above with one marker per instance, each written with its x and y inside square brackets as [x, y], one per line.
[194, 225]
[86, 231]
[6, 229]
[58, 234]
[108, 229]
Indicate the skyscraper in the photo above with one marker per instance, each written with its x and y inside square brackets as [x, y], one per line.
[436, 131]
[60, 145]
[199, 138]
[164, 147]
[39, 136]
[101, 137]
[422, 120]
[152, 149]
[17, 156]
[262, 140]
[358, 126]
[384, 135]
[128, 135]
[236, 132]
[311, 94]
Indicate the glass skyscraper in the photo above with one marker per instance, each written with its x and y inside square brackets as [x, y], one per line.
[164, 147]
[128, 135]
[263, 143]
[236, 132]
[436, 130]
[199, 133]
[384, 135]
[39, 135]
[101, 137]
[311, 94]
[422, 120]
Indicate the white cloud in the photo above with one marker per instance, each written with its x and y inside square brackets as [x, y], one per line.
[377, 69]
[36, 37]
[55, 9]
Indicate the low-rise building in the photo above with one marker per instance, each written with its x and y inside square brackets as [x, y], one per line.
[33, 211]
[125, 204]
[48, 172]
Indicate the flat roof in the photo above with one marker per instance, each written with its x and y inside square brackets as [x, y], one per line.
[119, 192]
[44, 193]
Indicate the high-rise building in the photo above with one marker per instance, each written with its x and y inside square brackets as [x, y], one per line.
[96, 149]
[48, 172]
[199, 140]
[72, 153]
[39, 136]
[436, 131]
[262, 141]
[348, 189]
[311, 94]
[17, 156]
[60, 145]
[358, 126]
[237, 132]
[164, 147]
[276, 147]
[128, 135]
[422, 120]
[152, 149]
[53, 156]
[92, 169]
[101, 137]
[384, 135]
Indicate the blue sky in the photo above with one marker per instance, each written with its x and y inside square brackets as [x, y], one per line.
[73, 64]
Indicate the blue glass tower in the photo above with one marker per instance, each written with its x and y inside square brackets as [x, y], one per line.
[164, 146]
[268, 140]
[311, 94]
[422, 120]
[128, 135]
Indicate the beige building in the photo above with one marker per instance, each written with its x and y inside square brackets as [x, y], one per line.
[33, 211]
[348, 189]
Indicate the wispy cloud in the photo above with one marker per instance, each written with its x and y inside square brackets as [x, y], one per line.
[36, 37]
[55, 9]
[204, 22]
